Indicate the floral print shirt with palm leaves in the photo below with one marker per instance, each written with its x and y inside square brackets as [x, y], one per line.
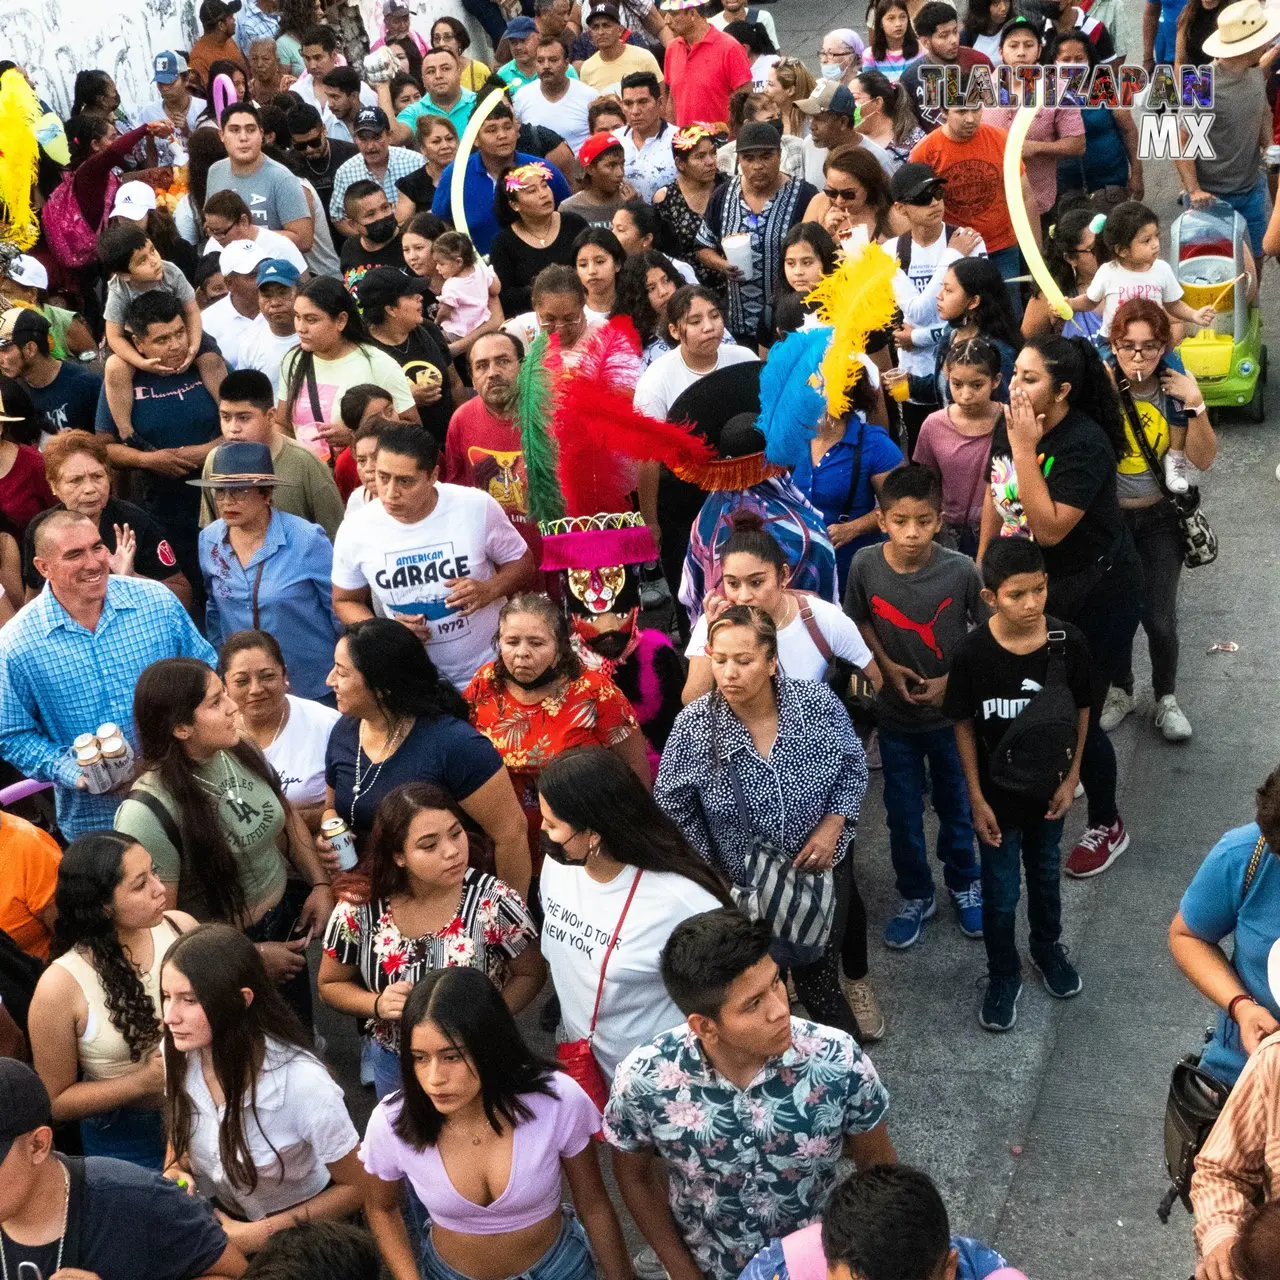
[490, 928]
[746, 1165]
[590, 711]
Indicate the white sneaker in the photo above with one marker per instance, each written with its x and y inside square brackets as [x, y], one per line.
[1170, 720]
[1116, 707]
[1175, 471]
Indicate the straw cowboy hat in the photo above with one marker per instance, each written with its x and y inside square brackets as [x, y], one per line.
[1242, 28]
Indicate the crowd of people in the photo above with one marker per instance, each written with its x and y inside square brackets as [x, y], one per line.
[451, 573]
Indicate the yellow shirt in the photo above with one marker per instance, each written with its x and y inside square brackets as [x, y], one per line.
[606, 77]
[474, 74]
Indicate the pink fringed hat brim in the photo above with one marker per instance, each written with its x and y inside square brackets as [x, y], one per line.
[598, 548]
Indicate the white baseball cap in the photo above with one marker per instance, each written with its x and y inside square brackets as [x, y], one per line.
[29, 272]
[241, 258]
[134, 200]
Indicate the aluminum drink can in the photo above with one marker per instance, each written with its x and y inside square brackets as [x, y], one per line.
[118, 759]
[96, 771]
[338, 834]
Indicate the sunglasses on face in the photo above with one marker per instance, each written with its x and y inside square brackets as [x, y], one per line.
[925, 200]
[308, 144]
[848, 194]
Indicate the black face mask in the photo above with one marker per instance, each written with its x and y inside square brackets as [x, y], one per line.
[556, 852]
[383, 231]
[538, 682]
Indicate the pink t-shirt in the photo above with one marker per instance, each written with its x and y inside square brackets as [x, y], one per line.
[1048, 126]
[961, 461]
[561, 1126]
[468, 295]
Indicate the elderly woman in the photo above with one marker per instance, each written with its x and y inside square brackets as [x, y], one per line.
[264, 569]
[534, 233]
[76, 466]
[535, 701]
[762, 757]
[1156, 398]
[840, 56]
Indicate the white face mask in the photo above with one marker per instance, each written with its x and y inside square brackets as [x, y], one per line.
[831, 71]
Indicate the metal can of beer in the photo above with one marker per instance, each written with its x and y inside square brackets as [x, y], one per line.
[338, 834]
[85, 740]
[118, 758]
[108, 730]
[97, 772]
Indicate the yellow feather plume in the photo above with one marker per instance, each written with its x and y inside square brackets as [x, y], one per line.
[856, 299]
[19, 154]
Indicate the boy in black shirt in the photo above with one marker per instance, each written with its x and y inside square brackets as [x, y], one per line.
[997, 671]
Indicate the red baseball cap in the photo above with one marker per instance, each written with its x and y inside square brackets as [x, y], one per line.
[595, 146]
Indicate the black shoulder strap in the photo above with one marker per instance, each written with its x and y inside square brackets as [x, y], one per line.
[855, 473]
[1139, 431]
[313, 393]
[162, 815]
[71, 1242]
[1057, 658]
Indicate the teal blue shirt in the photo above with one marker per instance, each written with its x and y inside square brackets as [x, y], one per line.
[457, 115]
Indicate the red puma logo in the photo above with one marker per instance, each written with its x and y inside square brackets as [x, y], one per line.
[892, 614]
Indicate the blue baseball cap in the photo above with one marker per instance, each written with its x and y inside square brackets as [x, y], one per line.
[277, 271]
[167, 66]
[521, 28]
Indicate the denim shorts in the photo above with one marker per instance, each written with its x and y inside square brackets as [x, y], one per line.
[568, 1259]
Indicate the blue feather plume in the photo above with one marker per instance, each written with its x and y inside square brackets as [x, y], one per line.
[791, 395]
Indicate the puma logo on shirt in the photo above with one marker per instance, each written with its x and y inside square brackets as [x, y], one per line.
[881, 608]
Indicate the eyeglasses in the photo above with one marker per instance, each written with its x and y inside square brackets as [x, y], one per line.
[847, 194]
[1140, 348]
[1071, 253]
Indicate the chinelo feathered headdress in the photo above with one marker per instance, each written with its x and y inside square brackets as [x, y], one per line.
[20, 112]
[791, 394]
[854, 300]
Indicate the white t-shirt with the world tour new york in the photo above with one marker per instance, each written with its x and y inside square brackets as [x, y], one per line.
[412, 568]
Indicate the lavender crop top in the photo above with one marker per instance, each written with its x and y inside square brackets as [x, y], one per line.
[561, 1125]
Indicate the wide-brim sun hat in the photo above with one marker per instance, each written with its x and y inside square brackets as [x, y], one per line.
[1242, 28]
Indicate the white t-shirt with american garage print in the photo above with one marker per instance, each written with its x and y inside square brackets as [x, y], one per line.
[412, 568]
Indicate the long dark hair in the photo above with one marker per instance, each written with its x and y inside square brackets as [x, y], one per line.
[631, 296]
[296, 18]
[395, 815]
[879, 44]
[167, 695]
[993, 317]
[1076, 360]
[593, 789]
[204, 148]
[88, 876]
[470, 1013]
[875, 84]
[818, 239]
[328, 294]
[1063, 237]
[401, 677]
[219, 961]
[89, 87]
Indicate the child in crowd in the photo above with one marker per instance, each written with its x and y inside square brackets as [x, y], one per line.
[996, 673]
[598, 256]
[808, 254]
[1136, 270]
[135, 268]
[464, 297]
[914, 602]
[956, 441]
[210, 286]
[364, 450]
[359, 404]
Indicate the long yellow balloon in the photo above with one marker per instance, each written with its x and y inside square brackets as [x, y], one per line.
[1018, 213]
[468, 140]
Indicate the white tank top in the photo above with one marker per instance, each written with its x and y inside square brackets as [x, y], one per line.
[104, 1054]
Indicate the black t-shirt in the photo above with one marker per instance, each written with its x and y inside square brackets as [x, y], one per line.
[70, 400]
[516, 263]
[426, 345]
[420, 187]
[135, 1225]
[154, 558]
[1080, 470]
[355, 260]
[537, 140]
[339, 153]
[990, 686]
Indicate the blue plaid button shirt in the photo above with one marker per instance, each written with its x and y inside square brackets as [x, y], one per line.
[252, 24]
[59, 680]
[401, 162]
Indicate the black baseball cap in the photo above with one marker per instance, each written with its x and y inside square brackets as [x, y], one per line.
[371, 120]
[22, 324]
[385, 286]
[759, 136]
[212, 11]
[24, 1103]
[914, 182]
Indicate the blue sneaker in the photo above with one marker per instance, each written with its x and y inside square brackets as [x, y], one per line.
[1000, 1005]
[903, 930]
[968, 909]
[1058, 974]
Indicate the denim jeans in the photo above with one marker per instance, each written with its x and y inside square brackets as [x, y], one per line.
[127, 1133]
[277, 926]
[1251, 205]
[903, 756]
[1009, 263]
[1159, 540]
[1036, 849]
[568, 1259]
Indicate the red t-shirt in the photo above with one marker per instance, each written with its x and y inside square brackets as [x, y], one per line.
[24, 492]
[346, 475]
[704, 75]
[974, 170]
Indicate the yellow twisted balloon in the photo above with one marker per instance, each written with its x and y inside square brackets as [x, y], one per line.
[1018, 213]
[19, 155]
[467, 141]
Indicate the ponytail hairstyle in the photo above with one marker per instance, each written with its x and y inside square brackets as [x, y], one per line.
[82, 132]
[1062, 240]
[751, 538]
[327, 293]
[1093, 394]
[980, 278]
[896, 105]
[89, 87]
[88, 876]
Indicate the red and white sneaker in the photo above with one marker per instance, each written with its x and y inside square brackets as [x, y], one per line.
[1099, 847]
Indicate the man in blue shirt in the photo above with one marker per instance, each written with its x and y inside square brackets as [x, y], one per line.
[495, 150]
[70, 659]
[64, 392]
[175, 423]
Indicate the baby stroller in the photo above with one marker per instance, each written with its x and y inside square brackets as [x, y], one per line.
[1228, 360]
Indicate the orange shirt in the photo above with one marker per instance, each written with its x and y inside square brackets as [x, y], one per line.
[29, 861]
[207, 50]
[974, 194]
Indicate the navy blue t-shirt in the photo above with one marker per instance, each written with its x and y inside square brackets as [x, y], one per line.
[135, 1223]
[445, 751]
[70, 400]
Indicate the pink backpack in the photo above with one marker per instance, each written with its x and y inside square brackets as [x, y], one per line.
[70, 237]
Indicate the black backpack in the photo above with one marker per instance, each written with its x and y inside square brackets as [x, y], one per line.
[905, 242]
[1035, 752]
[19, 974]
